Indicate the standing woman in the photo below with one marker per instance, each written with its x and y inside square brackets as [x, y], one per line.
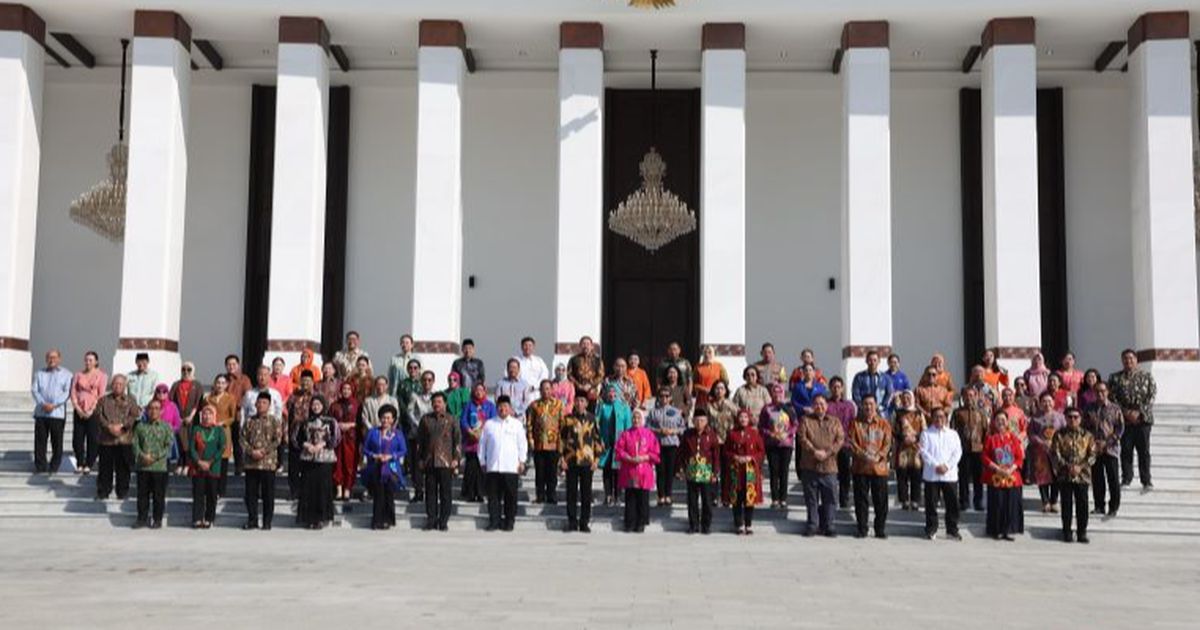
[613, 417]
[307, 362]
[562, 388]
[778, 423]
[1037, 376]
[226, 407]
[909, 422]
[86, 389]
[475, 413]
[362, 378]
[752, 395]
[667, 424]
[708, 371]
[187, 394]
[807, 389]
[1003, 456]
[722, 415]
[1070, 376]
[741, 479]
[1062, 397]
[457, 396]
[1025, 400]
[281, 381]
[640, 378]
[681, 396]
[941, 376]
[993, 374]
[345, 413]
[328, 385]
[1018, 420]
[638, 452]
[931, 395]
[1042, 428]
[317, 439]
[207, 448]
[1087, 398]
[384, 448]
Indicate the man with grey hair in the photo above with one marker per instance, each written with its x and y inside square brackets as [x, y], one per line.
[51, 389]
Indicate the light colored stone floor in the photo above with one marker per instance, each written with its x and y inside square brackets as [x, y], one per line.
[342, 578]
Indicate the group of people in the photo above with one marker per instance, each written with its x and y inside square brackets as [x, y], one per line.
[337, 428]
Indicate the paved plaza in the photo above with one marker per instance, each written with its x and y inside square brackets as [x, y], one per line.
[183, 579]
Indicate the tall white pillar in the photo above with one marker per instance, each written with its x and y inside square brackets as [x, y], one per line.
[866, 194]
[580, 185]
[22, 34]
[438, 232]
[156, 192]
[1164, 242]
[1012, 303]
[723, 194]
[298, 199]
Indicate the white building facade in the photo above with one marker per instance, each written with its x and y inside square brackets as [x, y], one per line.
[831, 161]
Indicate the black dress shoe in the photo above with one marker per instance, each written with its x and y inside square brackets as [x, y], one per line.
[881, 535]
[156, 525]
[1082, 538]
[428, 527]
[443, 527]
[584, 528]
[139, 524]
[571, 527]
[705, 529]
[808, 533]
[491, 528]
[1066, 536]
[829, 533]
[266, 527]
[954, 536]
[860, 534]
[249, 526]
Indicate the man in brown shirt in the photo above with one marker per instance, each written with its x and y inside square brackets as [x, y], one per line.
[586, 371]
[870, 443]
[821, 438]
[115, 414]
[239, 384]
[971, 425]
[260, 437]
[439, 444]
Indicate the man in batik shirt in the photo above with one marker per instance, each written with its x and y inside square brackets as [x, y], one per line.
[346, 360]
[586, 371]
[439, 448]
[971, 425]
[1106, 424]
[542, 425]
[261, 434]
[580, 447]
[1134, 390]
[1073, 451]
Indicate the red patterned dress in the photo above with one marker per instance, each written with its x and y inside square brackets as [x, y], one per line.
[743, 442]
[345, 411]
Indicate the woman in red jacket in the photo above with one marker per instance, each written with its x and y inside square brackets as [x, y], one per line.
[1003, 455]
[742, 457]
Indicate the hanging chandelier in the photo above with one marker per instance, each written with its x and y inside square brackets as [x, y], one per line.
[651, 4]
[652, 216]
[102, 208]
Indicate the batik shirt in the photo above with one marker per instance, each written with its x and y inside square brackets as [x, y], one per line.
[909, 425]
[971, 425]
[699, 456]
[322, 433]
[752, 399]
[721, 416]
[439, 441]
[153, 439]
[626, 389]
[544, 420]
[778, 424]
[347, 360]
[586, 372]
[261, 433]
[579, 440]
[1073, 447]
[1107, 424]
[1134, 391]
[116, 410]
[870, 444]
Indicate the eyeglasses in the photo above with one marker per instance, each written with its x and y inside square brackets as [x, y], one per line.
[187, 369]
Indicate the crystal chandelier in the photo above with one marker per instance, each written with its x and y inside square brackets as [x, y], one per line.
[102, 208]
[651, 4]
[652, 216]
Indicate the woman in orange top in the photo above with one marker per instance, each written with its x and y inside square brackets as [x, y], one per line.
[930, 395]
[306, 363]
[708, 372]
[635, 372]
[942, 376]
[993, 374]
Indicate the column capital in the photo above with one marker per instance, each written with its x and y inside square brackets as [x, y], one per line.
[1160, 25]
[18, 17]
[162, 24]
[442, 33]
[581, 35]
[303, 30]
[873, 34]
[1001, 31]
[723, 36]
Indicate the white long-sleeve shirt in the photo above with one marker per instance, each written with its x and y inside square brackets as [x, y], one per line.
[503, 445]
[533, 372]
[940, 446]
[519, 393]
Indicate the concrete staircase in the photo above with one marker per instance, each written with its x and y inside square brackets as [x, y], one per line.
[1171, 511]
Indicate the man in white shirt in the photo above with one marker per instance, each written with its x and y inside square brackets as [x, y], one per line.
[941, 449]
[503, 447]
[533, 368]
[514, 386]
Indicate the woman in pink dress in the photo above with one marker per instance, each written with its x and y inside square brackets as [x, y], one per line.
[1070, 376]
[637, 453]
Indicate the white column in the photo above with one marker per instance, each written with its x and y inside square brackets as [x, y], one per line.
[723, 195]
[298, 199]
[1012, 303]
[580, 187]
[438, 232]
[156, 193]
[21, 62]
[1164, 245]
[866, 194]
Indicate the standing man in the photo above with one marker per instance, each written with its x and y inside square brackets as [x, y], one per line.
[439, 449]
[1073, 451]
[470, 369]
[398, 368]
[941, 450]
[1134, 390]
[870, 441]
[261, 435]
[544, 422]
[586, 371]
[298, 410]
[675, 357]
[770, 371]
[820, 440]
[698, 459]
[845, 411]
[514, 386]
[346, 359]
[152, 442]
[503, 447]
[116, 414]
[580, 446]
[971, 425]
[249, 400]
[872, 381]
[51, 390]
[142, 380]
[1106, 424]
[533, 368]
[237, 384]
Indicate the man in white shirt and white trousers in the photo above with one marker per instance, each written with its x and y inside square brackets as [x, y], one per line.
[503, 447]
[941, 449]
[533, 368]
